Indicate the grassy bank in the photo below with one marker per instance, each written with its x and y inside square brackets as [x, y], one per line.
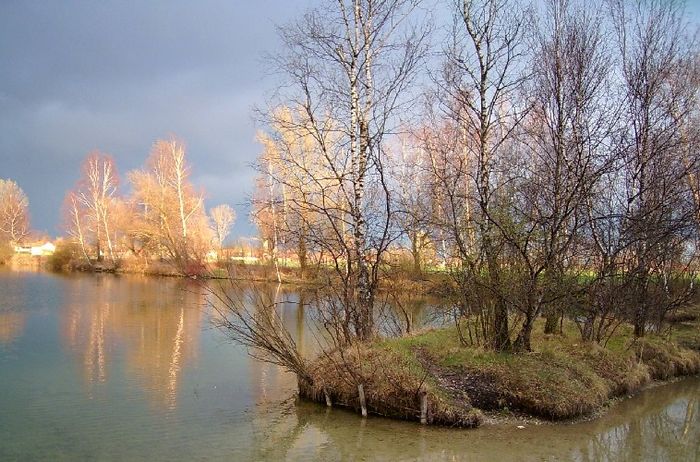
[685, 327]
[397, 280]
[562, 378]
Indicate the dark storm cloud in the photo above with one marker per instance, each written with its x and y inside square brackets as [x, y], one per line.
[115, 76]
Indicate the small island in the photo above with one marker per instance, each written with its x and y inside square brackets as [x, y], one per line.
[563, 378]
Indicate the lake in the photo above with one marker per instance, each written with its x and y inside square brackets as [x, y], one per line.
[103, 367]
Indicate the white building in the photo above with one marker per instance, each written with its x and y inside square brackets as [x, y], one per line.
[37, 250]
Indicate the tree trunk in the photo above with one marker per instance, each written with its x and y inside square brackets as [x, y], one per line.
[301, 253]
[639, 323]
[415, 251]
[98, 249]
[551, 321]
[109, 239]
[501, 336]
[522, 341]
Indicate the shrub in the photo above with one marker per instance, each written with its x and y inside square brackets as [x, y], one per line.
[5, 252]
[64, 257]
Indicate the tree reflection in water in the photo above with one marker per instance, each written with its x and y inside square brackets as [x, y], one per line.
[660, 424]
[156, 325]
[12, 318]
[11, 325]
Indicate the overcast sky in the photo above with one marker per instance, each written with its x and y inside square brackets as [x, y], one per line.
[117, 75]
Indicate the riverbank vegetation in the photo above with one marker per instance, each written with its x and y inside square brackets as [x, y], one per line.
[548, 168]
[563, 377]
[161, 227]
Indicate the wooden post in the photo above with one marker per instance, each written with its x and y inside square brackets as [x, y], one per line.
[363, 404]
[423, 407]
[328, 397]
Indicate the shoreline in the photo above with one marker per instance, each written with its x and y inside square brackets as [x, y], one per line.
[508, 405]
[495, 419]
[428, 377]
[430, 284]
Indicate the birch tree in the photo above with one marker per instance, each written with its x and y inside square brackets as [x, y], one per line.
[75, 223]
[222, 217]
[482, 75]
[565, 152]
[349, 68]
[89, 207]
[14, 212]
[653, 45]
[172, 210]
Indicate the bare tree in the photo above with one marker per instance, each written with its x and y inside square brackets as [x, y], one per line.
[88, 208]
[653, 46]
[97, 195]
[288, 160]
[481, 77]
[14, 212]
[566, 152]
[349, 69]
[172, 211]
[223, 217]
[412, 196]
[269, 193]
[74, 222]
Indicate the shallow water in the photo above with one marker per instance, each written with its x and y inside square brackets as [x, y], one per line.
[98, 367]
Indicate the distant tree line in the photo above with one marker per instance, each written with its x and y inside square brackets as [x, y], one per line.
[162, 218]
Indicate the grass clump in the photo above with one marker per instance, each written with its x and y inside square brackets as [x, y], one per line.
[666, 359]
[562, 378]
[393, 383]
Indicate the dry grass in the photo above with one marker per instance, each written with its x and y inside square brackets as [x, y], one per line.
[666, 359]
[563, 378]
[392, 384]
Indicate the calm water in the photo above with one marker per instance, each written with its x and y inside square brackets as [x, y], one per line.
[127, 368]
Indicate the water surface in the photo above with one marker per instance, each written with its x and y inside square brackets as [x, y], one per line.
[98, 367]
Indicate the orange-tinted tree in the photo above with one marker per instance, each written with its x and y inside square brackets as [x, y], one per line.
[171, 211]
[14, 212]
[89, 207]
